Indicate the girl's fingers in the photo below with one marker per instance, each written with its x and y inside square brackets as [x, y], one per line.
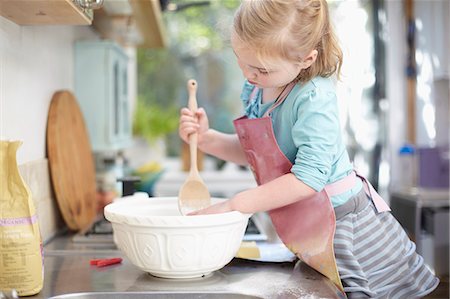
[189, 130]
[187, 119]
[217, 208]
[190, 122]
[186, 111]
[188, 125]
[200, 112]
[186, 129]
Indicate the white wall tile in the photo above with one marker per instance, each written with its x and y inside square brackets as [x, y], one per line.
[37, 176]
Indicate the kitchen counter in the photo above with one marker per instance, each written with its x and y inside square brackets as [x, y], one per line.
[67, 270]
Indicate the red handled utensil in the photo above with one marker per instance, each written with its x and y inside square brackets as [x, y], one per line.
[105, 262]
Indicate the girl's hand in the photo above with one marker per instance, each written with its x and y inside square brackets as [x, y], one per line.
[217, 208]
[191, 123]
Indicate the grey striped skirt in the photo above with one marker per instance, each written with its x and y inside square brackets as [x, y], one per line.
[375, 257]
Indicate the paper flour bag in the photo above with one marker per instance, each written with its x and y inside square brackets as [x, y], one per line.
[21, 258]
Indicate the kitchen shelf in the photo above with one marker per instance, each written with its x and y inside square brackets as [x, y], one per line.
[136, 23]
[149, 21]
[45, 12]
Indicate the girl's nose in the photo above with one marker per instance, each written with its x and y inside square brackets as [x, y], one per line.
[249, 73]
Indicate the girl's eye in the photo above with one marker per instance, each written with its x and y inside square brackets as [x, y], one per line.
[263, 72]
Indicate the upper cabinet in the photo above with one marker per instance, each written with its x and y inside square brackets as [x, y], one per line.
[101, 88]
[45, 12]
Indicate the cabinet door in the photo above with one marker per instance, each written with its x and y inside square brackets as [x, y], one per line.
[124, 121]
[114, 100]
[101, 88]
[119, 127]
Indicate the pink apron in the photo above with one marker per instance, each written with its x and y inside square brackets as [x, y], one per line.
[306, 226]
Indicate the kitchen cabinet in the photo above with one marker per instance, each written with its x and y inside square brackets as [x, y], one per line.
[45, 12]
[101, 89]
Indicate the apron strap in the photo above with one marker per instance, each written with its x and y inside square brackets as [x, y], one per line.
[281, 97]
[342, 185]
[347, 184]
[279, 100]
[378, 201]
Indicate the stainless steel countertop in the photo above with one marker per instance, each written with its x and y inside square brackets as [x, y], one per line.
[67, 270]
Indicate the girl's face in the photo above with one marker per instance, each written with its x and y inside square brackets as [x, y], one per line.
[273, 73]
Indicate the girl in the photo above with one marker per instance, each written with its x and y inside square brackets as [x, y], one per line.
[290, 136]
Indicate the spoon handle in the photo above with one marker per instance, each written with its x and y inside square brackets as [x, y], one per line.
[192, 105]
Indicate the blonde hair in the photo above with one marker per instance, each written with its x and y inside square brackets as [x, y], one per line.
[290, 29]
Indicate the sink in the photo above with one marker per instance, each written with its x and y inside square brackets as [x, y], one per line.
[155, 295]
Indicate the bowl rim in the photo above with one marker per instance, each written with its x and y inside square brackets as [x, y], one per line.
[115, 214]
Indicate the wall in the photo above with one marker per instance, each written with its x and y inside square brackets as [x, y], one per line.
[35, 61]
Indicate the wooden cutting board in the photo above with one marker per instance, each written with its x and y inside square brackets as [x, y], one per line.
[71, 162]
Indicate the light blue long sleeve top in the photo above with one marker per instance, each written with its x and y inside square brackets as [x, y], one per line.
[307, 129]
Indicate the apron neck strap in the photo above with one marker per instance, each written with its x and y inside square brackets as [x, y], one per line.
[281, 97]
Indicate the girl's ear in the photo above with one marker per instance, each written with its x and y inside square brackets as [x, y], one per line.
[309, 59]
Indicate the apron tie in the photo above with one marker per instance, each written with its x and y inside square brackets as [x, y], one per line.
[349, 182]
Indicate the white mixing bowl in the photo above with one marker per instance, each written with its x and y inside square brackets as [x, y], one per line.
[159, 240]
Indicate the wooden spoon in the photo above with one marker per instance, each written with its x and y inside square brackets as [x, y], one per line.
[193, 194]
